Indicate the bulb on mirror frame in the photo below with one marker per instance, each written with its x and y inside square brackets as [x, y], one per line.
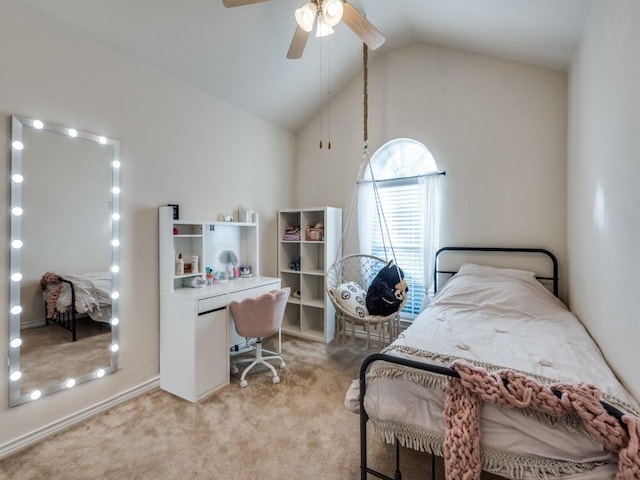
[72, 132]
[17, 211]
[115, 216]
[17, 178]
[115, 164]
[15, 343]
[16, 277]
[102, 140]
[70, 383]
[115, 190]
[115, 242]
[16, 309]
[17, 145]
[35, 395]
[15, 375]
[38, 124]
[115, 269]
[115, 321]
[114, 348]
[115, 295]
[100, 373]
[16, 244]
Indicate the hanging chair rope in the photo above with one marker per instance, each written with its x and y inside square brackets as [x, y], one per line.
[364, 164]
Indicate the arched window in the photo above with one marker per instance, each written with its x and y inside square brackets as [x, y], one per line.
[407, 182]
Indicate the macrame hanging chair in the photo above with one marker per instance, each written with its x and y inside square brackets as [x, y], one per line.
[349, 278]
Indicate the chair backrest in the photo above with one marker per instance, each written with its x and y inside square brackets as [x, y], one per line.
[261, 316]
[358, 268]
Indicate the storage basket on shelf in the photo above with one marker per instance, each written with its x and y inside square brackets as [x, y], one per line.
[313, 234]
[347, 281]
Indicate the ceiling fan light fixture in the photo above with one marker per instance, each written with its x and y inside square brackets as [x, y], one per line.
[323, 29]
[332, 11]
[305, 16]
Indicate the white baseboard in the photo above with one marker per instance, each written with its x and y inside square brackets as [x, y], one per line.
[40, 434]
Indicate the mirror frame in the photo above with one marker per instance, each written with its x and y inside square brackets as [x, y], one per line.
[15, 244]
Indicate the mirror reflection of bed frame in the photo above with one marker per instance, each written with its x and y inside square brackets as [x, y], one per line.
[26, 135]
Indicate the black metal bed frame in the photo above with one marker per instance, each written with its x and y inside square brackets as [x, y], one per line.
[69, 319]
[439, 369]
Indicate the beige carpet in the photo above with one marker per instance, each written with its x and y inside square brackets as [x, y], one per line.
[298, 429]
[49, 356]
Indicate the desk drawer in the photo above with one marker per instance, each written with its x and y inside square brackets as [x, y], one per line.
[211, 303]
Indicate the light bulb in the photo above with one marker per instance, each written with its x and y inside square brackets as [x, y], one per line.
[115, 295]
[305, 16]
[16, 310]
[115, 321]
[72, 132]
[332, 11]
[323, 29]
[35, 395]
[17, 145]
[114, 348]
[38, 125]
[100, 373]
[16, 276]
[17, 211]
[102, 140]
[115, 268]
[115, 216]
[115, 164]
[115, 190]
[17, 178]
[16, 244]
[115, 242]
[15, 343]
[70, 383]
[15, 376]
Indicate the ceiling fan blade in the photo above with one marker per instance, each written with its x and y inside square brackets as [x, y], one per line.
[362, 27]
[297, 43]
[237, 3]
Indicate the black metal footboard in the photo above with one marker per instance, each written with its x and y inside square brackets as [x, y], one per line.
[438, 369]
[69, 319]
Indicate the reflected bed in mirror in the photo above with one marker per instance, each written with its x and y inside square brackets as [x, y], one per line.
[63, 319]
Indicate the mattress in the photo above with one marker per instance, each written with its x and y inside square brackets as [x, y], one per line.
[496, 318]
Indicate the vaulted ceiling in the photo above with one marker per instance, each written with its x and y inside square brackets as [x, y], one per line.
[239, 54]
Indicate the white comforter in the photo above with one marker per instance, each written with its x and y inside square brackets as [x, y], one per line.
[498, 318]
[93, 295]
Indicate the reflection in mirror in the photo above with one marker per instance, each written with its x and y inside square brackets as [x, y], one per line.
[63, 319]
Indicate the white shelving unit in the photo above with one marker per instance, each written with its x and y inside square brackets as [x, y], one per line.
[311, 315]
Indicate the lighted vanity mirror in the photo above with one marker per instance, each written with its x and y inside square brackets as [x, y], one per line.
[64, 273]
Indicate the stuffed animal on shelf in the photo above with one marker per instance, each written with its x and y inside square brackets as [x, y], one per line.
[387, 291]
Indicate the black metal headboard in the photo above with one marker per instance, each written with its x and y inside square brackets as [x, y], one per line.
[542, 251]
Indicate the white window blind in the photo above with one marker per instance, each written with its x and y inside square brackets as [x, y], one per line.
[403, 202]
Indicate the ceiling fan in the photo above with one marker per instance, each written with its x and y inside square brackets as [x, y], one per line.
[328, 14]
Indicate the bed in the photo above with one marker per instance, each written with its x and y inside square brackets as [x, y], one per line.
[70, 297]
[497, 321]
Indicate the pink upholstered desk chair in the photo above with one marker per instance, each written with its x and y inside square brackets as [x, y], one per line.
[259, 318]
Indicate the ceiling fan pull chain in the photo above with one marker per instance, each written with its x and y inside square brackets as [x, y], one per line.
[365, 91]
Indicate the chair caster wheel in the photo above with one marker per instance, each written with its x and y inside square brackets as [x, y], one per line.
[276, 379]
[243, 383]
[283, 365]
[234, 370]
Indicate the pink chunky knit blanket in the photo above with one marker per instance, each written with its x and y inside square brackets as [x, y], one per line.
[464, 397]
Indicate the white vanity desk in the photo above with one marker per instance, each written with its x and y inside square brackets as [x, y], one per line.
[197, 335]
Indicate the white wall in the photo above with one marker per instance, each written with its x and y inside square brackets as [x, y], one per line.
[497, 127]
[178, 145]
[603, 192]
